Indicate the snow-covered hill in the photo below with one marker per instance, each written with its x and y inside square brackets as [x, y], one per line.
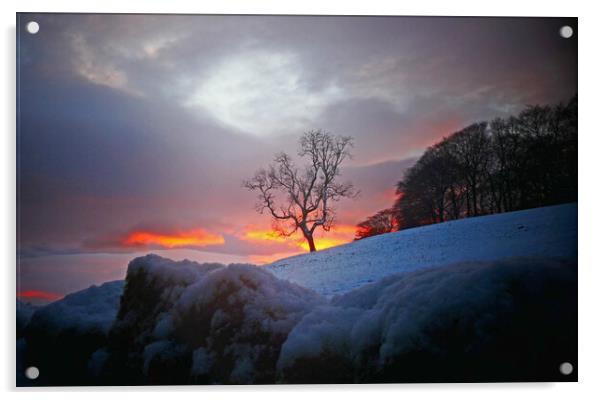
[541, 232]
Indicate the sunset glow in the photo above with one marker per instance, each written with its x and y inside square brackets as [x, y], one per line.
[325, 243]
[264, 235]
[38, 295]
[338, 235]
[192, 238]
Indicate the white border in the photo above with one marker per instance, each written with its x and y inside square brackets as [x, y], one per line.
[590, 67]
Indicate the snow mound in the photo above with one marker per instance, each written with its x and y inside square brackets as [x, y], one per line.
[61, 336]
[153, 285]
[510, 320]
[92, 309]
[198, 323]
[540, 232]
[236, 319]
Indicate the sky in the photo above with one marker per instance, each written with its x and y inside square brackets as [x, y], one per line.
[135, 132]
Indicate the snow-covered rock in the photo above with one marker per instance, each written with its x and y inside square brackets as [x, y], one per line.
[238, 317]
[187, 322]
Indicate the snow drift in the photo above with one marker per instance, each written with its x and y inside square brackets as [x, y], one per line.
[513, 320]
[199, 323]
[183, 323]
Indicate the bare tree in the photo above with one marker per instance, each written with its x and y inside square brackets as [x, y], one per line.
[301, 198]
[519, 162]
[472, 152]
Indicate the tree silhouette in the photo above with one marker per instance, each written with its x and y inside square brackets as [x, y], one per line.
[383, 221]
[507, 164]
[301, 198]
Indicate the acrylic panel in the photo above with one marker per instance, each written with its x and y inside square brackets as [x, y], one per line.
[236, 199]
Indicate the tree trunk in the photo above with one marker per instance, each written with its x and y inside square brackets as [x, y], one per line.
[310, 241]
[473, 189]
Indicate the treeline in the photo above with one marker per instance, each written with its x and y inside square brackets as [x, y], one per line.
[520, 162]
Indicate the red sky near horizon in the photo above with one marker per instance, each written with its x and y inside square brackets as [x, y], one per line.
[200, 238]
[30, 295]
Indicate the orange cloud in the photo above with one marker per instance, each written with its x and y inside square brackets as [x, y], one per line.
[195, 238]
[263, 235]
[38, 295]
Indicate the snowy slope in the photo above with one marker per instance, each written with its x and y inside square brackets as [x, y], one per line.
[541, 232]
